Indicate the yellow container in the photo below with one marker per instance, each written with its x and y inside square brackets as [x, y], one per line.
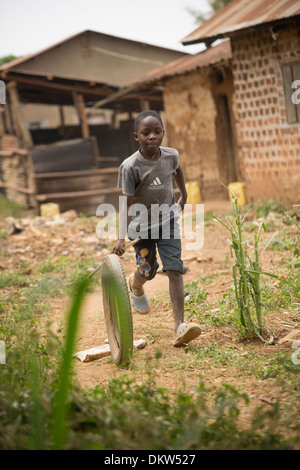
[49, 209]
[239, 191]
[193, 190]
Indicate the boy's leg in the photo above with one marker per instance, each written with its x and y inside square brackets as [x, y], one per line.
[146, 267]
[137, 284]
[176, 289]
[170, 254]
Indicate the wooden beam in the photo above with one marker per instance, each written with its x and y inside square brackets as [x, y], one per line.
[71, 195]
[17, 188]
[80, 106]
[11, 152]
[22, 130]
[96, 91]
[74, 174]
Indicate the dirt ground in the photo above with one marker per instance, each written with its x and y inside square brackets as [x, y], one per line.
[176, 368]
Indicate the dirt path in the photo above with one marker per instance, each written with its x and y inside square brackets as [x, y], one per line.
[156, 328]
[176, 368]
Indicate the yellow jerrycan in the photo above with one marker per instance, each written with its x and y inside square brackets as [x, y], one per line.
[239, 191]
[193, 190]
[49, 209]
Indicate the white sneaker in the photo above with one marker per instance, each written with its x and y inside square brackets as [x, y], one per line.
[186, 333]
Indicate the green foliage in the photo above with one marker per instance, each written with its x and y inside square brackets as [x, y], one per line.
[10, 208]
[8, 58]
[263, 208]
[195, 298]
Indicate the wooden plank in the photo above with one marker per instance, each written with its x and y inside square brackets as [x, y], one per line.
[70, 195]
[10, 152]
[6, 153]
[75, 174]
[17, 188]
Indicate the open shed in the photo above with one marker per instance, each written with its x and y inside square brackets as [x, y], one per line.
[74, 166]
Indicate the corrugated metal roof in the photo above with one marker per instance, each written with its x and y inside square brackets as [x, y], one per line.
[243, 14]
[212, 56]
[209, 57]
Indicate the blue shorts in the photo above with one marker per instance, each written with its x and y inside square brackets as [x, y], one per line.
[146, 255]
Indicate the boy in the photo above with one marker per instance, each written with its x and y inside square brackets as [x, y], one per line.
[146, 179]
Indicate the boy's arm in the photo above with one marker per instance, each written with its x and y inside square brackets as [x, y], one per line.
[179, 179]
[118, 249]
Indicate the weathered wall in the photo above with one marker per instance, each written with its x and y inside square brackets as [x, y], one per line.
[191, 112]
[268, 145]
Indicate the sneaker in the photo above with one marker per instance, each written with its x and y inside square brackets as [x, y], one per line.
[186, 333]
[140, 303]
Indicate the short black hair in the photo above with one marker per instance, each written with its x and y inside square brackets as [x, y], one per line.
[145, 114]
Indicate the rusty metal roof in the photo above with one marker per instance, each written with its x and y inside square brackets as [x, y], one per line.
[243, 14]
[206, 58]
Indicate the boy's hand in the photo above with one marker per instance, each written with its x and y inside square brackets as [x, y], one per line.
[181, 202]
[119, 247]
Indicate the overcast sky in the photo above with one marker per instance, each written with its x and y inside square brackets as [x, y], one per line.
[28, 26]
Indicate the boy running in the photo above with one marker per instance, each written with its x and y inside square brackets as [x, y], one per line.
[146, 178]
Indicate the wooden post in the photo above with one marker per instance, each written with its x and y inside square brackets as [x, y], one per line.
[31, 181]
[8, 119]
[62, 120]
[22, 130]
[2, 125]
[145, 105]
[80, 106]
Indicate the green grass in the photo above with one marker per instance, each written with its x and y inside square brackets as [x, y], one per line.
[10, 208]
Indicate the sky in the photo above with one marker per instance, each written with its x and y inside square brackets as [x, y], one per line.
[28, 26]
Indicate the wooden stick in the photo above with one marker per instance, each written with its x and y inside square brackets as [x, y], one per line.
[127, 245]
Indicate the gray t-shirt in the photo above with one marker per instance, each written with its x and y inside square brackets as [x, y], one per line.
[151, 185]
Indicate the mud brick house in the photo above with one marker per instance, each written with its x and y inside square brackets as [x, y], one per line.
[199, 118]
[265, 43]
[75, 166]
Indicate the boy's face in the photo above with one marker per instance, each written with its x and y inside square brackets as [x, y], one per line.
[150, 135]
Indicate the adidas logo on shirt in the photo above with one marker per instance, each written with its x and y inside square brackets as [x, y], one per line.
[156, 184]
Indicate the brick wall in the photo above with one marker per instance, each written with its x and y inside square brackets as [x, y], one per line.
[269, 147]
[191, 114]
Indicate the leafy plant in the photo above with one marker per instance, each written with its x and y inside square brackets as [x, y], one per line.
[246, 273]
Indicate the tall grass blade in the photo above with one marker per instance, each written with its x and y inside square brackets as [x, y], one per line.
[61, 407]
[36, 417]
